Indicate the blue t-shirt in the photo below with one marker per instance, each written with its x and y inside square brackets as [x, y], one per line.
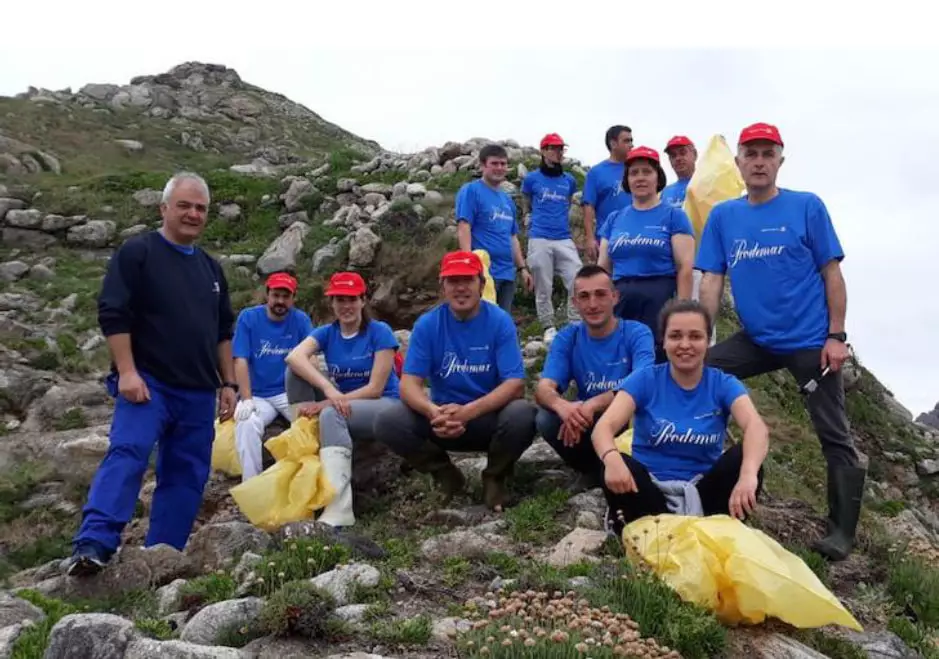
[265, 344]
[598, 365]
[350, 360]
[674, 194]
[775, 252]
[464, 359]
[603, 189]
[677, 433]
[550, 204]
[491, 216]
[640, 241]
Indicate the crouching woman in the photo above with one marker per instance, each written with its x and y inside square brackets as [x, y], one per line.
[359, 355]
[680, 411]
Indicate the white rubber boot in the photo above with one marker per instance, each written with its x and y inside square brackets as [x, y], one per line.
[337, 463]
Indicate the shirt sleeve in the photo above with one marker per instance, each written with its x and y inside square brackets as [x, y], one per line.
[605, 228]
[557, 364]
[321, 336]
[641, 346]
[508, 354]
[528, 185]
[638, 385]
[466, 204]
[226, 316]
[306, 325]
[823, 241]
[417, 361]
[730, 389]
[241, 346]
[115, 308]
[383, 337]
[589, 197]
[679, 223]
[711, 255]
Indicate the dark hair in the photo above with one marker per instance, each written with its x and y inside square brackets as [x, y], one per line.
[590, 270]
[613, 133]
[366, 317]
[677, 305]
[659, 185]
[492, 151]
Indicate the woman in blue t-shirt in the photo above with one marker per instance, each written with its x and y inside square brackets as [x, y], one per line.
[361, 381]
[680, 411]
[647, 246]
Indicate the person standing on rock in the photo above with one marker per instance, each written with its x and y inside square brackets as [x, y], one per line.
[597, 355]
[469, 351]
[360, 360]
[648, 246]
[486, 219]
[264, 335]
[783, 257]
[603, 188]
[551, 249]
[681, 154]
[165, 311]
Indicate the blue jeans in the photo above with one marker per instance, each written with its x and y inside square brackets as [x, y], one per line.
[505, 293]
[641, 299]
[182, 422]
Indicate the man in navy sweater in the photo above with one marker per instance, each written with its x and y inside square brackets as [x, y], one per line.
[165, 311]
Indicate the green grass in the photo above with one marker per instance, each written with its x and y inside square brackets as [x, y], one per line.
[208, 589]
[303, 558]
[535, 519]
[32, 642]
[408, 631]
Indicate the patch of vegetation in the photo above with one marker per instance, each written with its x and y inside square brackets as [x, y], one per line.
[155, 628]
[208, 589]
[32, 642]
[536, 518]
[914, 586]
[303, 558]
[916, 635]
[407, 631]
[73, 418]
[830, 646]
[299, 608]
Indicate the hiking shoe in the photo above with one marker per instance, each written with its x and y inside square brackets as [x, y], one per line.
[450, 480]
[86, 562]
[584, 482]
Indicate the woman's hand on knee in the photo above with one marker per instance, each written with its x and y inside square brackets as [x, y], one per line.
[617, 476]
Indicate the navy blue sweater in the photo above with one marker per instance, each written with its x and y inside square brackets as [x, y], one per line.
[174, 305]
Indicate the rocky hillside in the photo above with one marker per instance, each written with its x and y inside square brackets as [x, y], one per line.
[83, 171]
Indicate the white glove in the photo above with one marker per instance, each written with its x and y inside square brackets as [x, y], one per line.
[244, 409]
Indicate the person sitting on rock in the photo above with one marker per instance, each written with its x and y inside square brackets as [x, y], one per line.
[264, 335]
[165, 311]
[597, 354]
[648, 245]
[360, 355]
[782, 255]
[680, 411]
[468, 349]
[486, 219]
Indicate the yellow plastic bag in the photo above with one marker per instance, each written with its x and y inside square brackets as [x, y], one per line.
[489, 290]
[624, 441]
[224, 455]
[715, 179]
[294, 487]
[740, 573]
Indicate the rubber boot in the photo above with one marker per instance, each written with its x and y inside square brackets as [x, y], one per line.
[845, 492]
[433, 460]
[499, 468]
[337, 465]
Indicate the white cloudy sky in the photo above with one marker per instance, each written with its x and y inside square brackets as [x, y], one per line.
[860, 125]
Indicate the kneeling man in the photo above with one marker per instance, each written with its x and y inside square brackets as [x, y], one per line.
[468, 349]
[597, 354]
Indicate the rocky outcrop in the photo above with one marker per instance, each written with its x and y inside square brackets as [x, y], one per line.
[930, 418]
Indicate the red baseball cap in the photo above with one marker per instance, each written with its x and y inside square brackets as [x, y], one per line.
[346, 283]
[460, 264]
[678, 140]
[551, 139]
[282, 280]
[760, 131]
[642, 152]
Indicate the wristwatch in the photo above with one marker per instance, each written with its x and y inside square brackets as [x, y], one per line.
[231, 385]
[838, 336]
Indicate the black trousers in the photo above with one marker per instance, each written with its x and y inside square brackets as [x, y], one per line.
[641, 299]
[714, 488]
[739, 356]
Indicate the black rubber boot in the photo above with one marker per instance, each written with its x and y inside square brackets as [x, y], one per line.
[433, 460]
[499, 467]
[845, 492]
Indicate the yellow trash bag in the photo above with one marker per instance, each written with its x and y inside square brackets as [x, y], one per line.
[224, 455]
[624, 441]
[489, 290]
[740, 573]
[294, 487]
[715, 179]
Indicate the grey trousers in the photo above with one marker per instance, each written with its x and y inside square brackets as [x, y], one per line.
[739, 356]
[335, 429]
[547, 258]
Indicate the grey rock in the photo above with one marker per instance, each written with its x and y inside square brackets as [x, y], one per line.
[928, 467]
[299, 191]
[286, 220]
[381, 188]
[148, 197]
[41, 273]
[880, 645]
[229, 211]
[8, 638]
[436, 223]
[133, 146]
[340, 581]
[363, 247]
[54, 223]
[94, 233]
[346, 185]
[215, 546]
[169, 597]
[13, 270]
[352, 613]
[374, 199]
[283, 252]
[577, 546]
[24, 219]
[90, 636]
[447, 629]
[325, 254]
[26, 238]
[416, 190]
[777, 646]
[468, 543]
[433, 198]
[148, 648]
[7, 204]
[205, 626]
[129, 232]
[14, 611]
[897, 408]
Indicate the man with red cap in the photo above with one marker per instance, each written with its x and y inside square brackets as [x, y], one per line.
[783, 257]
[264, 336]
[681, 156]
[551, 249]
[468, 350]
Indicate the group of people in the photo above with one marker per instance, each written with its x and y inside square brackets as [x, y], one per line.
[638, 350]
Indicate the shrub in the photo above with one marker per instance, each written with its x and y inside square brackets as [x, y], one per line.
[303, 558]
[298, 607]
